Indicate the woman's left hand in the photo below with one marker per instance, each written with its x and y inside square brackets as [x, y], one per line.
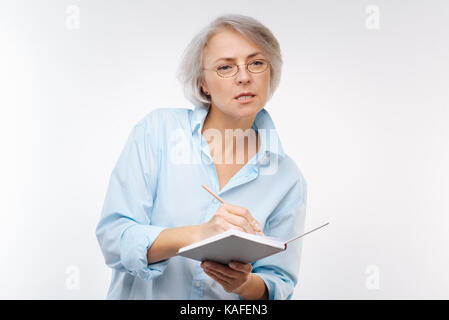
[232, 277]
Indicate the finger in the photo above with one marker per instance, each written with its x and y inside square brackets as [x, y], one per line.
[224, 270]
[226, 285]
[223, 222]
[218, 277]
[242, 267]
[239, 221]
[235, 227]
[244, 213]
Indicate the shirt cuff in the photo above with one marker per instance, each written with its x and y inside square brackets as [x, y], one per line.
[277, 289]
[134, 245]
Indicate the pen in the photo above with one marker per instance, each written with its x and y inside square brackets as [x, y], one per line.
[213, 193]
[222, 201]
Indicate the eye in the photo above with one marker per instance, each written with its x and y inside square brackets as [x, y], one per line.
[224, 67]
[257, 62]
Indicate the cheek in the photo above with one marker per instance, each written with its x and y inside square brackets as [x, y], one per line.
[223, 90]
[264, 84]
[267, 80]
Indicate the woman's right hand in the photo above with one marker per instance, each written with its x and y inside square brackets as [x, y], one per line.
[229, 216]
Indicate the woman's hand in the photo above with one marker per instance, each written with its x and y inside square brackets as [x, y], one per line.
[232, 278]
[230, 216]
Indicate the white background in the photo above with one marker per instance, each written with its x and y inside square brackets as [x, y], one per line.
[363, 111]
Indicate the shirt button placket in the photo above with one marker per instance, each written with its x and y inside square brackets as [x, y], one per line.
[198, 289]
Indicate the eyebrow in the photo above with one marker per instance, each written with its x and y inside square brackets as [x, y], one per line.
[232, 59]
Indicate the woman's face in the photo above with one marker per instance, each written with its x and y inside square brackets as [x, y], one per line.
[223, 91]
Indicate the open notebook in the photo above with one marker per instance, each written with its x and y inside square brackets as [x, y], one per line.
[234, 245]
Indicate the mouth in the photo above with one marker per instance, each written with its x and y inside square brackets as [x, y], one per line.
[245, 98]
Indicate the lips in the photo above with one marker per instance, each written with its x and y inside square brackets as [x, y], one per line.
[245, 94]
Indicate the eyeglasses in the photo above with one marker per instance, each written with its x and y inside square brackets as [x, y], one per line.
[231, 69]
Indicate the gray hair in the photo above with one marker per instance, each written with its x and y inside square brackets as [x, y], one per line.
[190, 72]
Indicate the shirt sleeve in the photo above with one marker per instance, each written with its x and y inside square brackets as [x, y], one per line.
[280, 271]
[125, 232]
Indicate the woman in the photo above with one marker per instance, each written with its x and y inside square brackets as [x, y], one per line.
[155, 203]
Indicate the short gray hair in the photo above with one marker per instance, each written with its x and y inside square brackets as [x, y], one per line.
[190, 72]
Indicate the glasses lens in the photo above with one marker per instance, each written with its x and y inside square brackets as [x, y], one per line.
[227, 70]
[257, 66]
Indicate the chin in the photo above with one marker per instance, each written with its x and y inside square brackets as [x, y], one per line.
[248, 110]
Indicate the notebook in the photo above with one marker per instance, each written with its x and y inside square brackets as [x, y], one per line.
[235, 245]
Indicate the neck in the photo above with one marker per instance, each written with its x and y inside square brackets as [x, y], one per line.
[218, 120]
[221, 122]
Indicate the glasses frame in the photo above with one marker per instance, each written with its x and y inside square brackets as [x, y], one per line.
[238, 68]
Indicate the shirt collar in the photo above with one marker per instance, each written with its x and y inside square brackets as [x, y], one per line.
[269, 142]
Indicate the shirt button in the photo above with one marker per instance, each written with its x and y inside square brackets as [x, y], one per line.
[198, 284]
[264, 160]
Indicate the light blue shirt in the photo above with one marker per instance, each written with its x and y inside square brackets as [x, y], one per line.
[156, 184]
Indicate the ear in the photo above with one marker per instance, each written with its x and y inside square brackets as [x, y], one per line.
[204, 88]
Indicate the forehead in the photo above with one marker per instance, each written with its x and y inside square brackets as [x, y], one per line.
[230, 45]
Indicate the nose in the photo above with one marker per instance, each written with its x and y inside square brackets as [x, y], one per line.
[243, 75]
